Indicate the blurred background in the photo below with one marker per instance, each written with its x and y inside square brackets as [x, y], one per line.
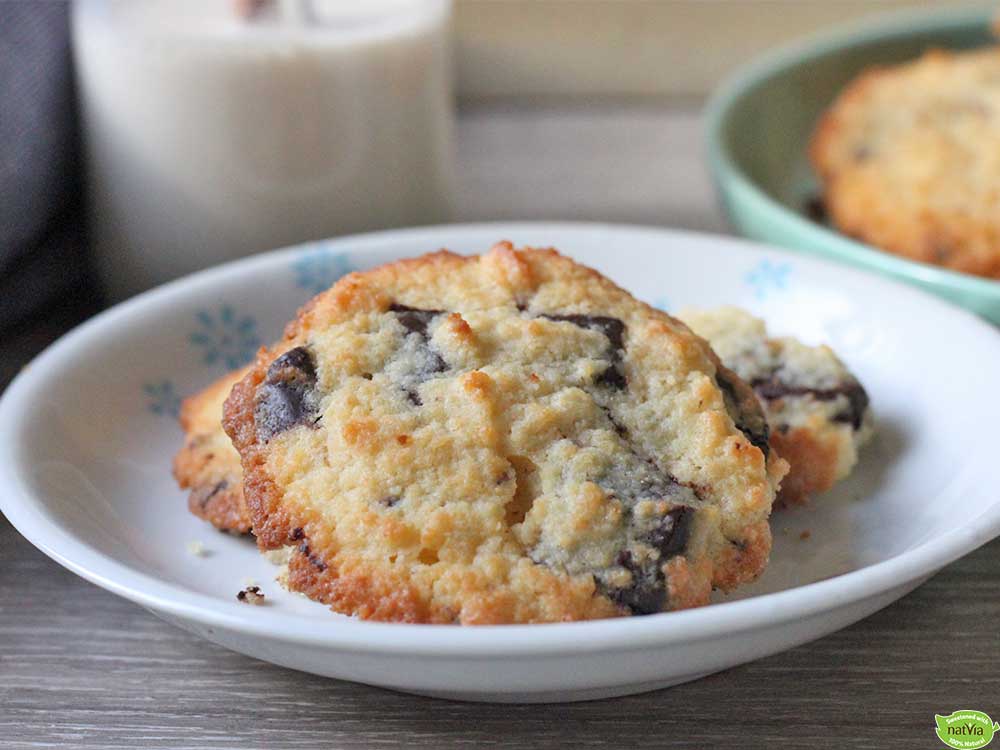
[196, 133]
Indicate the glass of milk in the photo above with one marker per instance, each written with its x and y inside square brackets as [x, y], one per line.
[219, 128]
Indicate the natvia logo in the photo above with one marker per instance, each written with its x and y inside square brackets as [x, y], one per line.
[966, 729]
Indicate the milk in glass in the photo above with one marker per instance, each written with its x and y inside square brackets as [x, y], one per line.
[219, 128]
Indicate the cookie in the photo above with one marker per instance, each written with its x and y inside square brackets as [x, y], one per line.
[817, 410]
[207, 464]
[497, 439]
[908, 158]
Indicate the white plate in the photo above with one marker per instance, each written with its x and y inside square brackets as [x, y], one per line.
[87, 434]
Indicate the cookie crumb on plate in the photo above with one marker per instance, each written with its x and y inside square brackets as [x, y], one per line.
[251, 595]
[196, 548]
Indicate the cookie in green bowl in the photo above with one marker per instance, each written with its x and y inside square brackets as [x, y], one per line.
[761, 122]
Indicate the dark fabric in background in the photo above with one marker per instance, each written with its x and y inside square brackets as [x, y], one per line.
[42, 243]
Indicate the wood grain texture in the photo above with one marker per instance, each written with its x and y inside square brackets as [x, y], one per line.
[81, 668]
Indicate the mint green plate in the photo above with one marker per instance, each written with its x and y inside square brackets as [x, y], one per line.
[760, 121]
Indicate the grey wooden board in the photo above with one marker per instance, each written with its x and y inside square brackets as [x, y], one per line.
[81, 668]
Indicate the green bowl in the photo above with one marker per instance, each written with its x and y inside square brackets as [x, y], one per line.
[760, 121]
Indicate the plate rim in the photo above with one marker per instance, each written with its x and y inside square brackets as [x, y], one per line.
[617, 634]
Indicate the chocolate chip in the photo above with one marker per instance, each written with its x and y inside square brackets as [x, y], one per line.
[630, 480]
[670, 536]
[646, 595]
[297, 534]
[416, 322]
[202, 497]
[857, 399]
[314, 559]
[389, 501]
[614, 331]
[414, 319]
[753, 424]
[612, 328]
[773, 388]
[613, 377]
[647, 592]
[287, 398]
[816, 210]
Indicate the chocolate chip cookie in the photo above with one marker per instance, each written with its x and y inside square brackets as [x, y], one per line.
[817, 410]
[909, 159]
[505, 438]
[207, 464]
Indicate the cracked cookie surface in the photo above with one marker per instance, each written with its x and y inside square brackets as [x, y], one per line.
[818, 411]
[908, 157]
[500, 438]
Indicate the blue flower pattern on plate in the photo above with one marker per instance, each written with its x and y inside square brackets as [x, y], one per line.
[767, 277]
[163, 399]
[316, 270]
[225, 337]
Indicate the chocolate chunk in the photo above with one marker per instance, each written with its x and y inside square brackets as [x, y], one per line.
[416, 322]
[314, 559]
[202, 497]
[857, 398]
[613, 377]
[753, 425]
[614, 331]
[297, 534]
[287, 398]
[414, 319]
[816, 210]
[647, 593]
[773, 388]
[612, 328]
[670, 536]
[634, 478]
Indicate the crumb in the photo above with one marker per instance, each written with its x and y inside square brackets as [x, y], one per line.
[196, 549]
[805, 535]
[251, 595]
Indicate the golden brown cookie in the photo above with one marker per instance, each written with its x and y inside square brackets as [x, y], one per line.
[908, 158]
[208, 464]
[501, 438]
[817, 410]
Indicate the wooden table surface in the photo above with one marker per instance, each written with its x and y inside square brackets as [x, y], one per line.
[82, 668]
